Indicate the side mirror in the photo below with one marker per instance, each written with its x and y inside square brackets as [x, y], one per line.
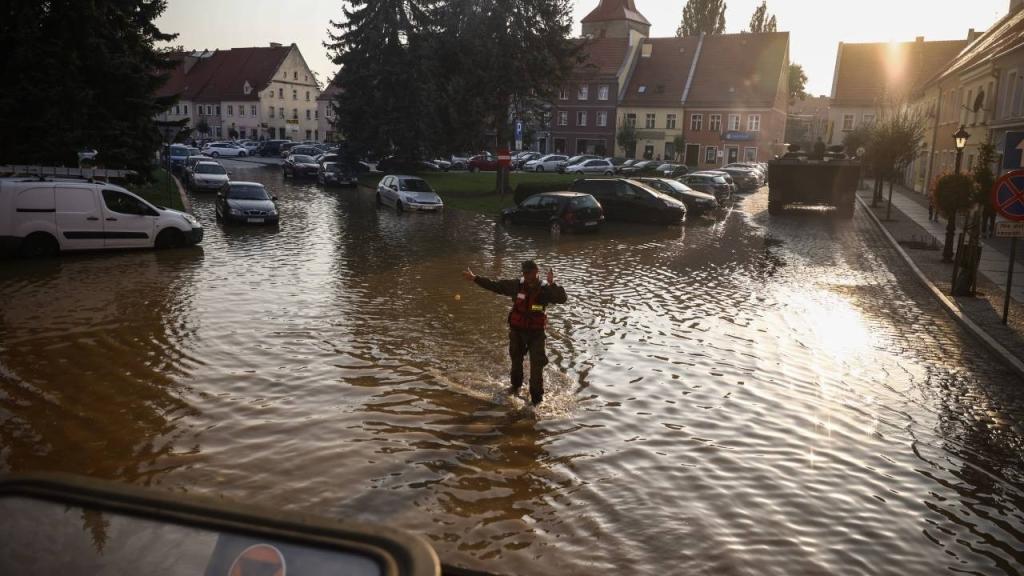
[273, 198]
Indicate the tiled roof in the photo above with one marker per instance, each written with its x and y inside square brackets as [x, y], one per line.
[740, 70]
[867, 72]
[615, 10]
[175, 84]
[602, 56]
[222, 74]
[1003, 35]
[663, 74]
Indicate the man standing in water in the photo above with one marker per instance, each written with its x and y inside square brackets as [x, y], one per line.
[526, 321]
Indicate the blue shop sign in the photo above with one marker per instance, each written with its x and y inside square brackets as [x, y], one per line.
[734, 136]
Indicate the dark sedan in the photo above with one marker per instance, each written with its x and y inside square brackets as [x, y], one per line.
[558, 211]
[247, 203]
[710, 184]
[299, 166]
[334, 174]
[629, 200]
[697, 203]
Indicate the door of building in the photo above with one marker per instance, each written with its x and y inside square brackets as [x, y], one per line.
[733, 154]
[692, 154]
[649, 152]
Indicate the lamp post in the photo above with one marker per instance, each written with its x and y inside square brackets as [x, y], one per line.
[960, 141]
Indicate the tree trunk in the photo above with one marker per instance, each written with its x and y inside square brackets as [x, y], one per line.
[947, 248]
[888, 208]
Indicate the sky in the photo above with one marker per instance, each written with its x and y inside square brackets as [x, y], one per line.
[816, 26]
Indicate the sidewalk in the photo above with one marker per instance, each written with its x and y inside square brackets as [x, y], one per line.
[922, 241]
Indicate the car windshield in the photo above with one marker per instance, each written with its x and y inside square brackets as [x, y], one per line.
[719, 179]
[414, 185]
[210, 169]
[179, 151]
[301, 159]
[247, 192]
[583, 202]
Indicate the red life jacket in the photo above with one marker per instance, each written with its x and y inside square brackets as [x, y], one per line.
[526, 313]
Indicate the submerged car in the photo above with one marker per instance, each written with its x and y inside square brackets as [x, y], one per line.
[629, 200]
[246, 203]
[299, 166]
[697, 203]
[335, 174]
[558, 211]
[208, 175]
[407, 193]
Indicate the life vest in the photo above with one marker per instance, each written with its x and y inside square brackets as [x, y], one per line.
[527, 313]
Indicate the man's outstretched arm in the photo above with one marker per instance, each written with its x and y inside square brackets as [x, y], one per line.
[503, 287]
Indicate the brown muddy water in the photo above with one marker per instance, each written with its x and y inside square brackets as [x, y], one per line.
[739, 396]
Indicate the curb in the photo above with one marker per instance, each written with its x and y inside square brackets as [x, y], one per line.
[995, 347]
[184, 197]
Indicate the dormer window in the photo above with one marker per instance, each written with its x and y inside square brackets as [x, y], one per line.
[246, 88]
[642, 89]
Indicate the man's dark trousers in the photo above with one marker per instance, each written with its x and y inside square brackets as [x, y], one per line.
[519, 343]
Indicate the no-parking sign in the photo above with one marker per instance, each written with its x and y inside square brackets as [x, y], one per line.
[1008, 195]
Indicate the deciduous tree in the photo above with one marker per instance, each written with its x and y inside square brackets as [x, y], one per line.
[797, 83]
[761, 21]
[702, 17]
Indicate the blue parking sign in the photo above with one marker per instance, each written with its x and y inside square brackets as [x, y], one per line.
[1012, 151]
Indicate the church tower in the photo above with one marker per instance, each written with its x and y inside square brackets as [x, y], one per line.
[616, 19]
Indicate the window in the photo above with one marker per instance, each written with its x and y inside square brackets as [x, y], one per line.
[602, 119]
[869, 119]
[307, 95]
[309, 134]
[847, 122]
[563, 94]
[581, 118]
[241, 111]
[316, 114]
[754, 123]
[231, 110]
[696, 122]
[308, 116]
[271, 111]
[750, 154]
[295, 94]
[715, 122]
[734, 122]
[280, 111]
[280, 93]
[642, 89]
[186, 109]
[710, 155]
[1008, 98]
[216, 132]
[295, 75]
[649, 121]
[124, 204]
[602, 92]
[270, 93]
[252, 110]
[295, 113]
[631, 120]
[670, 121]
[177, 109]
[563, 118]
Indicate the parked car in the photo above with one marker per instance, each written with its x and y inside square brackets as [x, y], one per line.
[251, 146]
[335, 174]
[558, 211]
[617, 161]
[246, 203]
[519, 162]
[547, 163]
[209, 175]
[484, 162]
[286, 149]
[641, 167]
[460, 161]
[218, 149]
[697, 203]
[305, 150]
[407, 193]
[575, 160]
[709, 184]
[629, 200]
[299, 166]
[592, 166]
[191, 161]
[41, 217]
[271, 147]
[669, 170]
[733, 188]
[177, 154]
[746, 179]
[442, 164]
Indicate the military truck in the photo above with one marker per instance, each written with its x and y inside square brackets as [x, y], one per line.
[799, 179]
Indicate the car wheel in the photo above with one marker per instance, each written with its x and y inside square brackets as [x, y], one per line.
[608, 173]
[506, 220]
[215, 154]
[556, 228]
[538, 169]
[169, 238]
[474, 169]
[241, 154]
[39, 245]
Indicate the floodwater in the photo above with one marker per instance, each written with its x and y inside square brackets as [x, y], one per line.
[739, 396]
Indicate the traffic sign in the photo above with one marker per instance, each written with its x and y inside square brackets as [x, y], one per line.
[1008, 195]
[504, 158]
[1012, 151]
[1010, 229]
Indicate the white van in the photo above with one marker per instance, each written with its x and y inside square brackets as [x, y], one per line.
[39, 218]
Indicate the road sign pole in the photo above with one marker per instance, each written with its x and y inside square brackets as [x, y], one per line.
[1009, 279]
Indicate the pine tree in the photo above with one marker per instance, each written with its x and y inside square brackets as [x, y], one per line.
[760, 21]
[82, 75]
[702, 17]
[380, 46]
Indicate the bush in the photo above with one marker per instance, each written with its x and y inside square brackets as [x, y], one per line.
[953, 193]
[526, 189]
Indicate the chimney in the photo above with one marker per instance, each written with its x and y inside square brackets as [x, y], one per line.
[919, 39]
[972, 35]
[275, 44]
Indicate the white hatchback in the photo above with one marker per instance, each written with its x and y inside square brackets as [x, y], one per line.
[40, 218]
[407, 193]
[547, 163]
[218, 149]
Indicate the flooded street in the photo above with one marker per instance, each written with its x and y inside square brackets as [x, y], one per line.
[748, 395]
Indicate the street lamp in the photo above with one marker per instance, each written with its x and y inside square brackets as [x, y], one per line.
[960, 141]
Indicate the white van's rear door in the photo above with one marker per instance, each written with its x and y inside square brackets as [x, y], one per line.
[79, 219]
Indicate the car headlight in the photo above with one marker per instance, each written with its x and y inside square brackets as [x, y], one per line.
[192, 220]
[235, 211]
[272, 211]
